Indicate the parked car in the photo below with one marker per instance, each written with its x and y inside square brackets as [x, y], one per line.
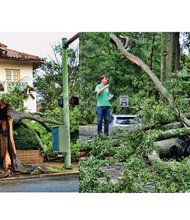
[123, 120]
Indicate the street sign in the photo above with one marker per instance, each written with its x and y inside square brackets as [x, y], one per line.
[123, 101]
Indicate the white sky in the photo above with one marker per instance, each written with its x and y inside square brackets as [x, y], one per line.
[35, 43]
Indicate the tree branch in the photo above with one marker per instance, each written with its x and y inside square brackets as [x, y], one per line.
[162, 90]
[126, 41]
[35, 134]
[172, 133]
[19, 116]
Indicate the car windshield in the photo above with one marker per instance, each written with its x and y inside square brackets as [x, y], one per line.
[124, 120]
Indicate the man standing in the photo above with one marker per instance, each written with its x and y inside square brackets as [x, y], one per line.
[103, 104]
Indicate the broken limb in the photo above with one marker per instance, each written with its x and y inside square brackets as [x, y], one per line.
[161, 89]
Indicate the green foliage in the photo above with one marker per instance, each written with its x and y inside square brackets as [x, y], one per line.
[178, 84]
[92, 178]
[24, 139]
[75, 150]
[98, 55]
[49, 82]
[167, 177]
[46, 137]
[138, 175]
[87, 115]
[74, 120]
[152, 112]
[172, 177]
[101, 147]
[121, 148]
[16, 96]
[50, 87]
[136, 143]
[179, 88]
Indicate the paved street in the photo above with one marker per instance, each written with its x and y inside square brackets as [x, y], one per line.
[67, 183]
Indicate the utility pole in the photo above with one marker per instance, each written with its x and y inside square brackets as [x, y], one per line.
[65, 45]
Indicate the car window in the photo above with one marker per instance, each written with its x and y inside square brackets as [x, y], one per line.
[124, 120]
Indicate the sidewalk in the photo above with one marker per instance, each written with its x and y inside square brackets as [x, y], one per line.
[74, 170]
[51, 165]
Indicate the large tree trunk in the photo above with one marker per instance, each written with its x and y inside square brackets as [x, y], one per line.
[167, 149]
[7, 144]
[172, 133]
[170, 54]
[150, 58]
[8, 158]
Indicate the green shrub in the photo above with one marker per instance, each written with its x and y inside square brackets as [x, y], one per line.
[75, 151]
[24, 139]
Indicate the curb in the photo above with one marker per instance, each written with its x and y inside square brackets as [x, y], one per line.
[22, 177]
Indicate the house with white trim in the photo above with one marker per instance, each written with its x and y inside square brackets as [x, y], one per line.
[17, 67]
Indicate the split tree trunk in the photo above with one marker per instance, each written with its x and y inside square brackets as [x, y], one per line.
[7, 144]
[8, 158]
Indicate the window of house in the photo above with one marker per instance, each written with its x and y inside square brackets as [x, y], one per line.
[12, 75]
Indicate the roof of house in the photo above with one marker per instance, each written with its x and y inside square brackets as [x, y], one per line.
[10, 54]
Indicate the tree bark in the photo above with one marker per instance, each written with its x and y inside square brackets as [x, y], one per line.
[150, 58]
[168, 149]
[170, 54]
[161, 89]
[8, 158]
[7, 144]
[19, 116]
[172, 133]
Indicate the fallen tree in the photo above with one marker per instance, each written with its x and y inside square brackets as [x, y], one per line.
[167, 97]
[162, 135]
[161, 89]
[8, 157]
[20, 116]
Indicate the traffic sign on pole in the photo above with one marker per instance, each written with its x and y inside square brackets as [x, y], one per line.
[123, 101]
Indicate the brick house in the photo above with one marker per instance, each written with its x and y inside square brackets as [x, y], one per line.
[17, 67]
